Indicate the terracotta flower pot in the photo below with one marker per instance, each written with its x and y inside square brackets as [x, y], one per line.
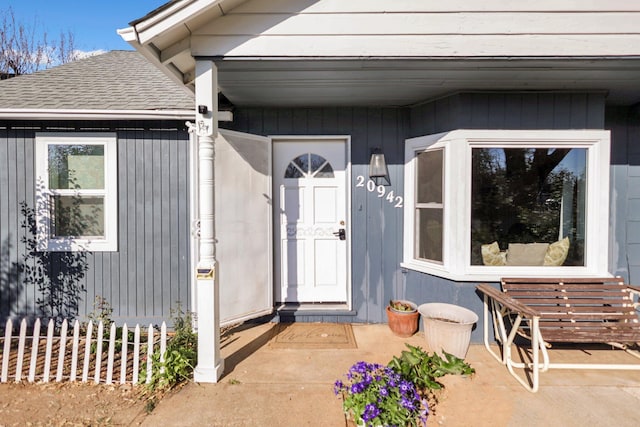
[403, 323]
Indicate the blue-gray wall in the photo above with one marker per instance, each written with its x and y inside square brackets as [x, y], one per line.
[376, 224]
[624, 249]
[149, 273]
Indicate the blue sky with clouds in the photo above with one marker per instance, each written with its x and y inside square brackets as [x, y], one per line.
[92, 22]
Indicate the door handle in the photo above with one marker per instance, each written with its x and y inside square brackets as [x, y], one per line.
[341, 234]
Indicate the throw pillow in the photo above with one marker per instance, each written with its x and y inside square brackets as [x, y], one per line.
[557, 252]
[526, 253]
[491, 254]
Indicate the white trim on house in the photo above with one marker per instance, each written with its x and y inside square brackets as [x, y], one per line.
[45, 242]
[48, 114]
[457, 146]
[349, 228]
[555, 33]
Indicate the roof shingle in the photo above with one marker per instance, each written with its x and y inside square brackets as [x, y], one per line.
[116, 80]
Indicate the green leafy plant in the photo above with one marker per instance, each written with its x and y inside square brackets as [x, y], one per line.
[177, 363]
[102, 312]
[376, 395]
[423, 368]
[397, 394]
[401, 305]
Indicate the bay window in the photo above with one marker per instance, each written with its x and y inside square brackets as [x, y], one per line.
[485, 204]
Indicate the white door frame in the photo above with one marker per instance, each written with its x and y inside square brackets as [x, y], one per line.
[347, 140]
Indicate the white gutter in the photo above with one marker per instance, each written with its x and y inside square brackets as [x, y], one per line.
[51, 113]
[48, 114]
[172, 17]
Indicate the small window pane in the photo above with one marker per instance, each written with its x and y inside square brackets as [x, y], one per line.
[75, 216]
[302, 162]
[316, 162]
[429, 228]
[76, 167]
[309, 165]
[325, 172]
[529, 195]
[293, 172]
[429, 176]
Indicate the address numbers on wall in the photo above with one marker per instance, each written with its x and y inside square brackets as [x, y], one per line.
[380, 190]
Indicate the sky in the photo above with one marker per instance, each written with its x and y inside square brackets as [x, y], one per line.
[93, 23]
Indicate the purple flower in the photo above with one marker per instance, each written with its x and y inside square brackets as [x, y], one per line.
[383, 394]
[405, 386]
[409, 404]
[370, 412]
[357, 388]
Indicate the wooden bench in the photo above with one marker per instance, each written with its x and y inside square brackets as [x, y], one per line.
[560, 310]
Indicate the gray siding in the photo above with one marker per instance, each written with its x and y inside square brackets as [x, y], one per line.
[376, 224]
[149, 273]
[624, 248]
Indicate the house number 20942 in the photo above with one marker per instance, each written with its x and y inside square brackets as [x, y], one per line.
[381, 190]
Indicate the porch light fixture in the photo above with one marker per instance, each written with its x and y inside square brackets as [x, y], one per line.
[378, 171]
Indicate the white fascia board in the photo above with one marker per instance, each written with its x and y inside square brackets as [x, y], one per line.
[128, 34]
[6, 113]
[48, 114]
[177, 14]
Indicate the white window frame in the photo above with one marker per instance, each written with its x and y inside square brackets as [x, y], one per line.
[45, 242]
[457, 147]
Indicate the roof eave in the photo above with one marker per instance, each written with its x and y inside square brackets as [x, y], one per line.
[142, 32]
[71, 114]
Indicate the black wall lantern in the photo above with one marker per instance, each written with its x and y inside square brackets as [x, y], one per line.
[378, 171]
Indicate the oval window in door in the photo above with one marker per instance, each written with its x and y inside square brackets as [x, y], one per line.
[309, 165]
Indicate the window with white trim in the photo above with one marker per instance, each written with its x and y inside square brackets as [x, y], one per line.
[76, 191]
[485, 204]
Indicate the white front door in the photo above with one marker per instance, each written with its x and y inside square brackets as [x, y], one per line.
[311, 223]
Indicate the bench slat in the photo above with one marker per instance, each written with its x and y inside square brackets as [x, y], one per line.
[593, 323]
[591, 302]
[556, 280]
[617, 294]
[546, 311]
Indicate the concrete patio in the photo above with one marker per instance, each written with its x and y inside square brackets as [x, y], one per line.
[264, 386]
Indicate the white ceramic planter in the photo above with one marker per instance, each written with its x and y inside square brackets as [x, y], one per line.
[447, 327]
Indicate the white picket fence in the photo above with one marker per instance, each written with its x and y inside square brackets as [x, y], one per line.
[123, 356]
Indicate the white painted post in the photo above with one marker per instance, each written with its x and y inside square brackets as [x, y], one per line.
[136, 354]
[48, 352]
[149, 353]
[111, 352]
[210, 363]
[74, 350]
[4, 375]
[35, 343]
[87, 352]
[21, 343]
[62, 350]
[99, 339]
[125, 351]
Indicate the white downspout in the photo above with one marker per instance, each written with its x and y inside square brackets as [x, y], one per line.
[210, 363]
